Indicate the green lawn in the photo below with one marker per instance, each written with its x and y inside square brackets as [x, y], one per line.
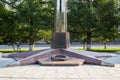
[115, 50]
[12, 51]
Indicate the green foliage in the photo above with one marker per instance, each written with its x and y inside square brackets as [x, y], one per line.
[96, 19]
[33, 20]
[84, 19]
[26, 21]
[107, 12]
[47, 36]
[8, 26]
[32, 17]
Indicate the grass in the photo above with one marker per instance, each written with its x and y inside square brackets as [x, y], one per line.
[12, 51]
[113, 50]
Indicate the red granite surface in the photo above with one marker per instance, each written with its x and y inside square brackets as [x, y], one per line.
[88, 59]
[70, 62]
[24, 54]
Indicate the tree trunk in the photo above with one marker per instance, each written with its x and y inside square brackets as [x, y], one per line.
[88, 45]
[31, 45]
[105, 45]
[18, 46]
[13, 47]
[84, 44]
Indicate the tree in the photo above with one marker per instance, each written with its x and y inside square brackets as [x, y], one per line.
[84, 19]
[107, 13]
[1, 19]
[93, 19]
[8, 26]
[34, 18]
[30, 20]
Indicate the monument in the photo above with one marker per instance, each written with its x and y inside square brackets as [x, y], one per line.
[60, 38]
[60, 53]
[60, 16]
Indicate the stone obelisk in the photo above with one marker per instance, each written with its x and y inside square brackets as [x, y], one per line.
[60, 37]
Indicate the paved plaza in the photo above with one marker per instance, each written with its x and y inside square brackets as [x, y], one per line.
[84, 72]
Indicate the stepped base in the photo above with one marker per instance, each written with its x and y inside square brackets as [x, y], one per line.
[60, 40]
[62, 63]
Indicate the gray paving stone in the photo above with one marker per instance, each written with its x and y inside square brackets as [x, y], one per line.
[5, 61]
[23, 79]
[115, 59]
[84, 72]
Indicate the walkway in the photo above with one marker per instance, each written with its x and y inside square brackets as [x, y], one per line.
[84, 72]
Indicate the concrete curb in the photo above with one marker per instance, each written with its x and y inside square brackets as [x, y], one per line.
[104, 63]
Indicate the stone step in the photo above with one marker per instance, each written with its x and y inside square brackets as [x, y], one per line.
[71, 62]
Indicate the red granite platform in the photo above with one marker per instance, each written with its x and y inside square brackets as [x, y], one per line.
[33, 57]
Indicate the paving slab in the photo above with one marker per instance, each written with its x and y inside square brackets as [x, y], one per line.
[84, 72]
[114, 59]
[5, 61]
[37, 72]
